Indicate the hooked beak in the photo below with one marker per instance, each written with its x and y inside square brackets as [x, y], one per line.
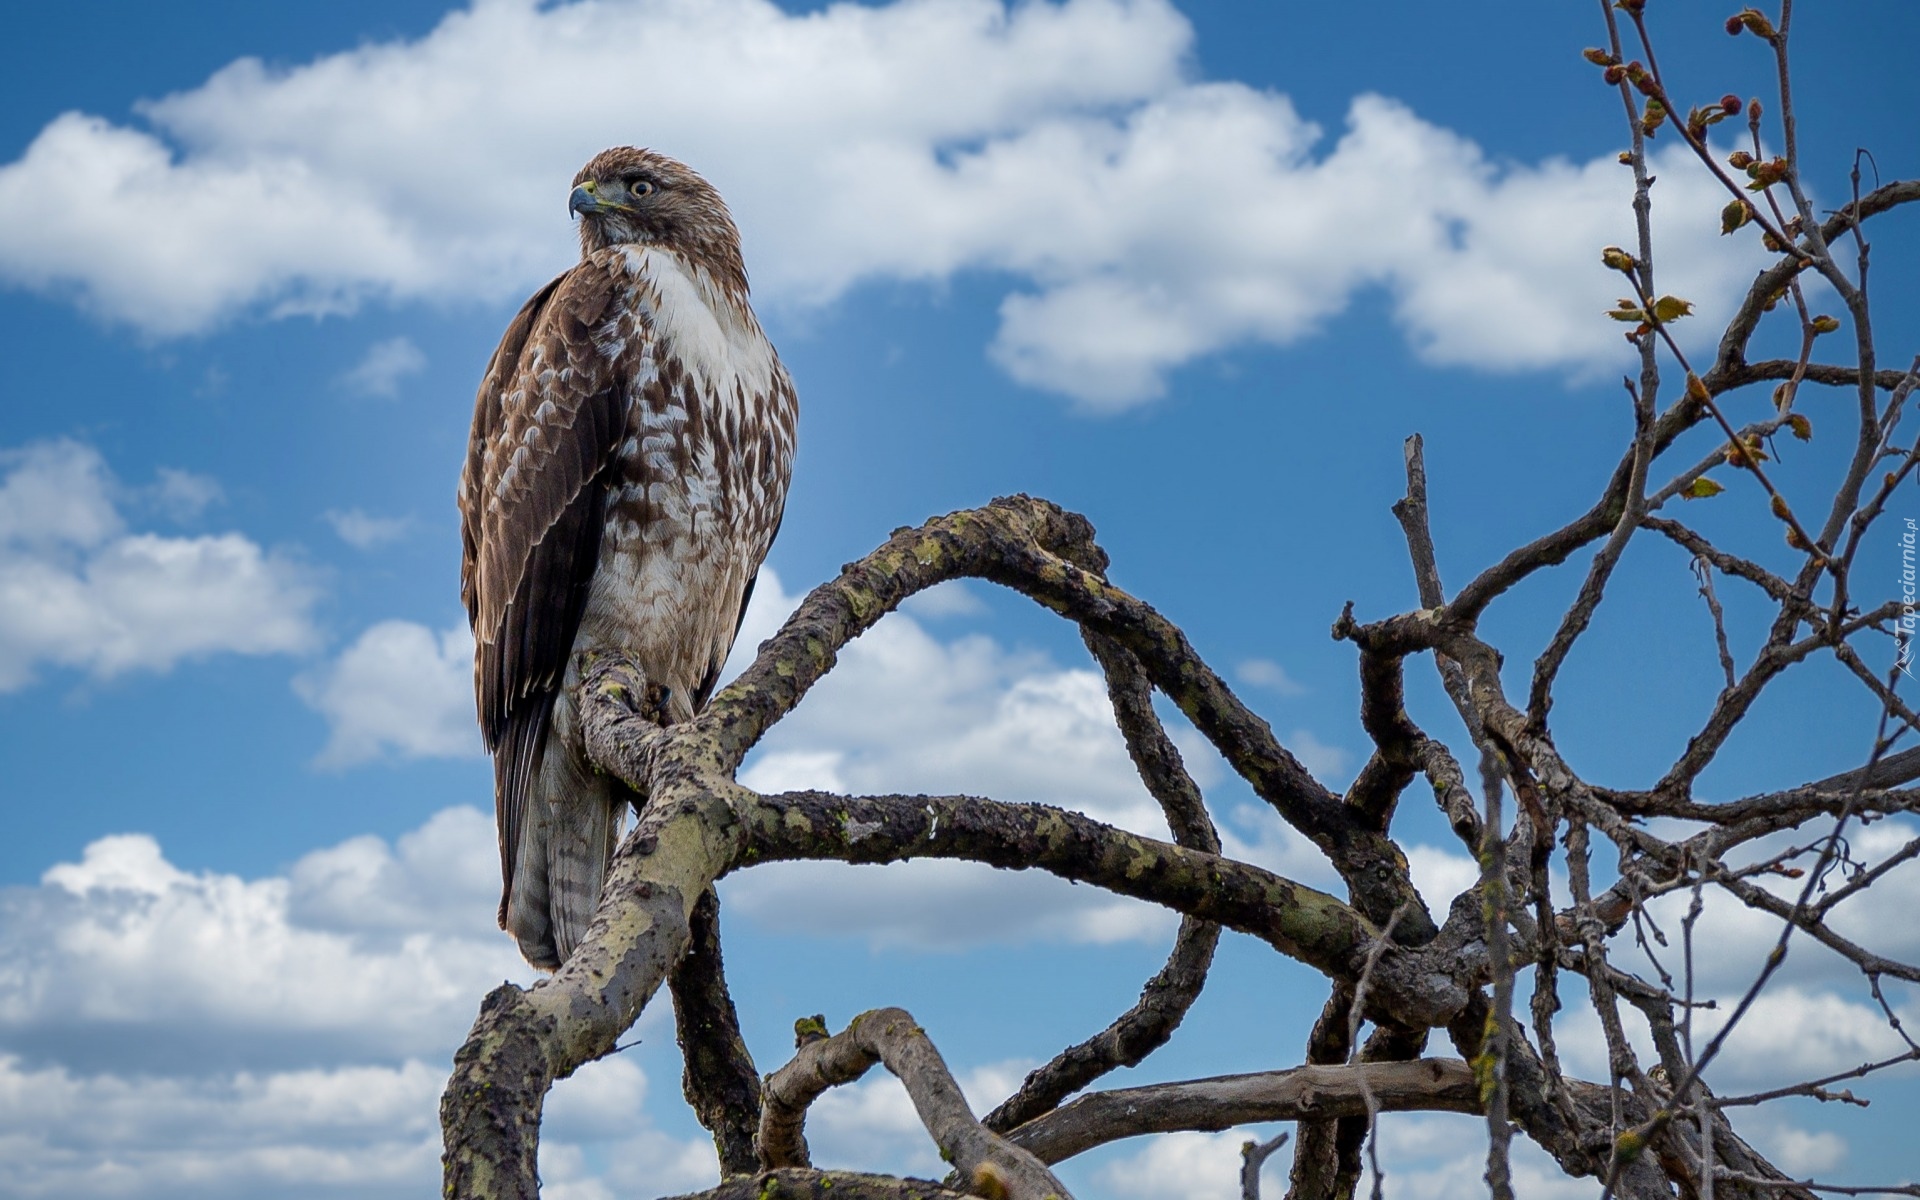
[586, 199]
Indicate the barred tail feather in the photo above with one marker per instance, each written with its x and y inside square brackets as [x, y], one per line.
[578, 854]
[571, 821]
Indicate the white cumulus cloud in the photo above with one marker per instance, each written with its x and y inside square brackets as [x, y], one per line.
[170, 1034]
[1145, 218]
[78, 589]
[1440, 1156]
[400, 689]
[1182, 1165]
[363, 947]
[368, 1130]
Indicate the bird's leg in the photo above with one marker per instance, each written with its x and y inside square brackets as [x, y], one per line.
[612, 676]
[617, 687]
[619, 678]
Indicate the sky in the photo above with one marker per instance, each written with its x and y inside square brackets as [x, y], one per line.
[1195, 271]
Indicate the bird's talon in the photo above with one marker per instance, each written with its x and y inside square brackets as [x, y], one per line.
[658, 696]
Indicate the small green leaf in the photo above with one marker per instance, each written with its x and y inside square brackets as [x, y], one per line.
[1671, 308]
[1802, 428]
[1701, 488]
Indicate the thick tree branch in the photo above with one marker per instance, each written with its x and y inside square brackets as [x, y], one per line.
[1301, 1094]
[720, 1081]
[1314, 1173]
[1297, 920]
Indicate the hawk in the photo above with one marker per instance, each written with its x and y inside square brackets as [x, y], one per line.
[627, 470]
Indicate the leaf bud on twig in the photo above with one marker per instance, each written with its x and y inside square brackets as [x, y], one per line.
[1753, 20]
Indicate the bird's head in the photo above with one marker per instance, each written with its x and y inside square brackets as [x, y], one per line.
[627, 196]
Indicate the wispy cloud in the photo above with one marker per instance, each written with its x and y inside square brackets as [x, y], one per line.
[383, 368]
[183, 495]
[1265, 673]
[363, 531]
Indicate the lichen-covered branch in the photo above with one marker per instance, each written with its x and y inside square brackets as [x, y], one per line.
[719, 1078]
[1299, 921]
[800, 1183]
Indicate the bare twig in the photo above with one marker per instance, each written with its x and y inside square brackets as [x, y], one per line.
[1253, 1156]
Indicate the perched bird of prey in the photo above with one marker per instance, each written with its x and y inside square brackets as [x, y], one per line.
[631, 446]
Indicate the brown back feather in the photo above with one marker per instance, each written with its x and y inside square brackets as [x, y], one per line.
[546, 422]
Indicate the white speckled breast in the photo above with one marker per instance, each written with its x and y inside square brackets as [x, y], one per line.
[700, 480]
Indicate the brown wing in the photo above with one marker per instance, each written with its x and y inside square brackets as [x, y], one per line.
[546, 421]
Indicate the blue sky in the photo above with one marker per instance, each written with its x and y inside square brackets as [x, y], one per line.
[1193, 271]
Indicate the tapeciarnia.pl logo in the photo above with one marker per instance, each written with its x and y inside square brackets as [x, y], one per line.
[1903, 654]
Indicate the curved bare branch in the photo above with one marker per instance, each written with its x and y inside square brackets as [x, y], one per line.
[991, 1165]
[1166, 998]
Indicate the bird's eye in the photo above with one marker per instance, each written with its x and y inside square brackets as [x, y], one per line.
[639, 187]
